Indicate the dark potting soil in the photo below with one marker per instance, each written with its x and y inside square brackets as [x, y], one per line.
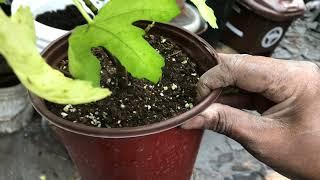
[7, 77]
[66, 19]
[6, 9]
[141, 102]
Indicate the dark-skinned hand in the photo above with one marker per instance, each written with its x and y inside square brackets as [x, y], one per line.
[287, 93]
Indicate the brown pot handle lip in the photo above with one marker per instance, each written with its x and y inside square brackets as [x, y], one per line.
[171, 123]
[269, 12]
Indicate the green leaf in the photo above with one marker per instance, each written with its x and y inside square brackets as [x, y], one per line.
[206, 12]
[17, 37]
[2, 1]
[112, 29]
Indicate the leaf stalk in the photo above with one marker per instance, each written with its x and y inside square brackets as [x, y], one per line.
[83, 11]
[91, 6]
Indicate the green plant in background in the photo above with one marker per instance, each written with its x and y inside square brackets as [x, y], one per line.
[2, 1]
[206, 12]
[112, 28]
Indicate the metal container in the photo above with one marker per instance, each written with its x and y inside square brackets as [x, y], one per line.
[47, 34]
[190, 19]
[15, 108]
[257, 26]
[160, 151]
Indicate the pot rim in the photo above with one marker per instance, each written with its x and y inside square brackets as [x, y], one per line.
[129, 132]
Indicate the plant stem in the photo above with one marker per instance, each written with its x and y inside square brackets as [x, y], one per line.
[149, 27]
[82, 11]
[91, 6]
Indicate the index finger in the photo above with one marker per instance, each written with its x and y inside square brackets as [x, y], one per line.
[257, 74]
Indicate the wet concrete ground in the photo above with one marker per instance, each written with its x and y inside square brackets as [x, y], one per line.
[34, 153]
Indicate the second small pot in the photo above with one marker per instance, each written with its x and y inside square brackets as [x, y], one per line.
[160, 151]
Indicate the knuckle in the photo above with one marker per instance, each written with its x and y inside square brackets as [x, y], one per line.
[308, 75]
[219, 122]
[233, 66]
[225, 77]
[203, 81]
[309, 68]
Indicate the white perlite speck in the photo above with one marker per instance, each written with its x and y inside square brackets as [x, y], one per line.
[161, 94]
[165, 88]
[96, 122]
[63, 114]
[67, 107]
[184, 62]
[147, 106]
[174, 86]
[122, 106]
[104, 115]
[163, 40]
[91, 116]
[193, 74]
[189, 105]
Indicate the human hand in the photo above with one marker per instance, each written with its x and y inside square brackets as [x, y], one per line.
[287, 93]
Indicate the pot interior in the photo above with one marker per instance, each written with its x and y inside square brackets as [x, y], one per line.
[194, 46]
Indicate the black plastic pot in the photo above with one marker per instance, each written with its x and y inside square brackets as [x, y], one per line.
[222, 9]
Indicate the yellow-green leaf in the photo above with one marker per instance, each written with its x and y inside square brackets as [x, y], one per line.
[17, 37]
[206, 12]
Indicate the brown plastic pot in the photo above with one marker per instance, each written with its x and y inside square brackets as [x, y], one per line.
[161, 151]
[255, 27]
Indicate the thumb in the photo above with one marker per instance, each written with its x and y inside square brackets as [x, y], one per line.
[234, 123]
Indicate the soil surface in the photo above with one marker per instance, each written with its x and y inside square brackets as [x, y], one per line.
[138, 102]
[6, 9]
[7, 77]
[66, 19]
